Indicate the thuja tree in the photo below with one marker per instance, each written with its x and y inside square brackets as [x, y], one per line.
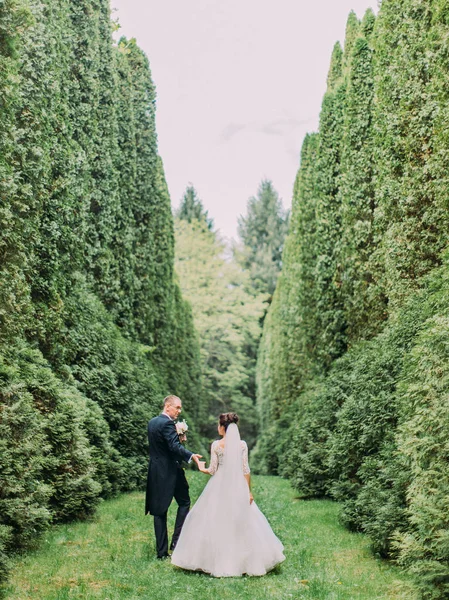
[411, 139]
[284, 353]
[360, 271]
[93, 328]
[305, 328]
[422, 442]
[329, 325]
[16, 218]
[370, 426]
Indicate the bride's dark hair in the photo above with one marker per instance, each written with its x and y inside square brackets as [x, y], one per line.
[225, 419]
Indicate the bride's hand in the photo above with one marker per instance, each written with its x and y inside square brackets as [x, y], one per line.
[202, 466]
[251, 498]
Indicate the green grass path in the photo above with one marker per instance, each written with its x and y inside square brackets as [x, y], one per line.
[113, 558]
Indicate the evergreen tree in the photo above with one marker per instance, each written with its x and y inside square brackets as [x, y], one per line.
[284, 357]
[262, 233]
[329, 320]
[411, 139]
[93, 328]
[359, 274]
[352, 384]
[227, 318]
[191, 208]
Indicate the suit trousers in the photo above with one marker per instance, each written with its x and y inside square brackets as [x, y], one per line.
[182, 498]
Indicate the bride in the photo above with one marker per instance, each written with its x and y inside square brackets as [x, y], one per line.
[225, 534]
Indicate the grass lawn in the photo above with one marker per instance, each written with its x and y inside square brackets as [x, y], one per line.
[113, 557]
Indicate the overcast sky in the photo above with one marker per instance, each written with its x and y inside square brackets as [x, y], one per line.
[239, 83]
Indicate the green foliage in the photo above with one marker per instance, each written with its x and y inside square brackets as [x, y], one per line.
[423, 442]
[227, 318]
[262, 233]
[116, 374]
[328, 314]
[352, 384]
[68, 468]
[191, 208]
[93, 329]
[411, 141]
[359, 275]
[304, 458]
[288, 333]
[47, 466]
[5, 562]
[184, 367]
[23, 450]
[16, 198]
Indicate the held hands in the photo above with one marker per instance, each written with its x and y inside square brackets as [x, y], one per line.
[196, 458]
[201, 464]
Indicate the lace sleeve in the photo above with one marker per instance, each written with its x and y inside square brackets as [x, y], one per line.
[212, 469]
[246, 469]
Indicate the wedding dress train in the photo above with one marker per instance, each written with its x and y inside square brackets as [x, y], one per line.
[224, 534]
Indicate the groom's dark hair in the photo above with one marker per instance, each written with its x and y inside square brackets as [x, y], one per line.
[170, 400]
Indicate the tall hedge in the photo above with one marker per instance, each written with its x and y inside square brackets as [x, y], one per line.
[328, 318]
[359, 274]
[352, 384]
[93, 328]
[284, 360]
[17, 224]
[411, 140]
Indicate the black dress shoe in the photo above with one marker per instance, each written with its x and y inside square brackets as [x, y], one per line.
[163, 557]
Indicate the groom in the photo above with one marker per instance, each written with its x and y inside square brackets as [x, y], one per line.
[166, 477]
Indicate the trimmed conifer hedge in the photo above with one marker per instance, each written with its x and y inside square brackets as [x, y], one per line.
[352, 377]
[93, 329]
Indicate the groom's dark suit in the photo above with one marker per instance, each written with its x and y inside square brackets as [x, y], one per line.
[166, 479]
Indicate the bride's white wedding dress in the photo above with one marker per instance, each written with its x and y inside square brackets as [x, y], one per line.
[224, 534]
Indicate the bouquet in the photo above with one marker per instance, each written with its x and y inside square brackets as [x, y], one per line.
[181, 429]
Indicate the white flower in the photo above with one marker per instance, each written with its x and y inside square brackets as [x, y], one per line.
[181, 427]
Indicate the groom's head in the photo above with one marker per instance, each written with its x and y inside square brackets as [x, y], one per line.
[172, 406]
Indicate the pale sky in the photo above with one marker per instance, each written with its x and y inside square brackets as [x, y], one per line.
[239, 83]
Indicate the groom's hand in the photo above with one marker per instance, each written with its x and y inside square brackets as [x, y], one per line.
[196, 458]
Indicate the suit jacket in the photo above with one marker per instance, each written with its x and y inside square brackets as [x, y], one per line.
[166, 452]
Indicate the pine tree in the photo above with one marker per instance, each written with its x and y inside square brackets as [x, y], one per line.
[191, 208]
[262, 233]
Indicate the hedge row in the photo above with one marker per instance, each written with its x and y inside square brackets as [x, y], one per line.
[93, 328]
[352, 377]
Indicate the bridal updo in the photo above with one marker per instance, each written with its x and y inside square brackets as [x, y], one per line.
[225, 419]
